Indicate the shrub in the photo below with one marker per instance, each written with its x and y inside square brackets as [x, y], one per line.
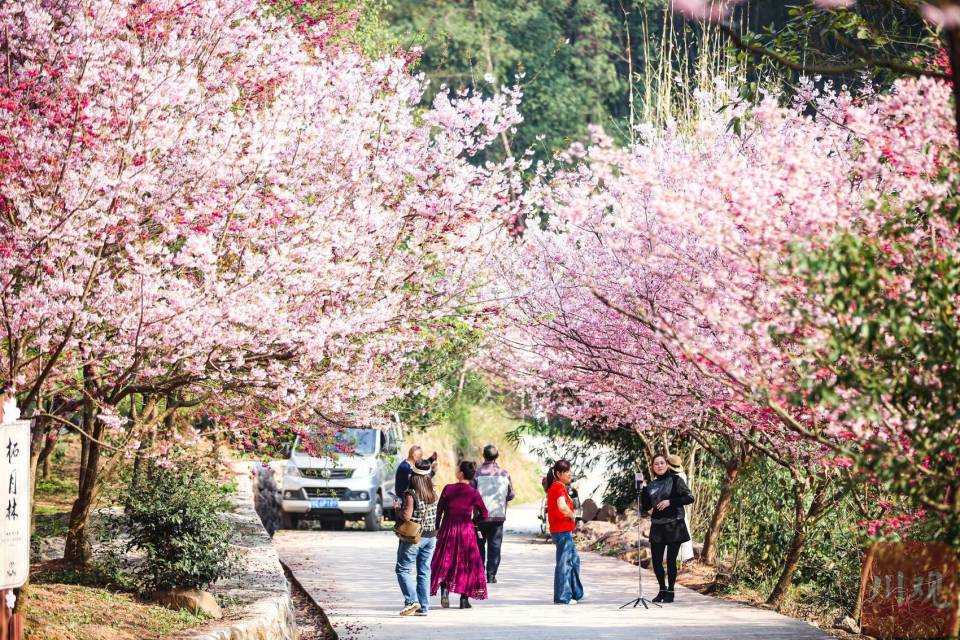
[175, 517]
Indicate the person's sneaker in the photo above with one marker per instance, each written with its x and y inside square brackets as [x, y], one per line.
[572, 602]
[410, 609]
[421, 612]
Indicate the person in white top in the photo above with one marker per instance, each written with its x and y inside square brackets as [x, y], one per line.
[495, 487]
[686, 549]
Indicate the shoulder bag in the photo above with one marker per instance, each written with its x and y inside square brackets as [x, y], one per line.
[408, 530]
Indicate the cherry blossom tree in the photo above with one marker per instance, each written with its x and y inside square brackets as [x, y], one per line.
[669, 285]
[205, 206]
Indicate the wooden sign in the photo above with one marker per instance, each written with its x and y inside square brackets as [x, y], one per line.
[14, 503]
[14, 513]
[909, 590]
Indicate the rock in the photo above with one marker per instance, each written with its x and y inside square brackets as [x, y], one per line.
[267, 498]
[606, 513]
[598, 529]
[848, 624]
[51, 548]
[635, 556]
[589, 509]
[192, 600]
[629, 519]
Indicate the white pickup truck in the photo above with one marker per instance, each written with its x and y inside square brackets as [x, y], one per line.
[345, 486]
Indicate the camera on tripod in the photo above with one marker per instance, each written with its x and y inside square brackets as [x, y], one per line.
[639, 482]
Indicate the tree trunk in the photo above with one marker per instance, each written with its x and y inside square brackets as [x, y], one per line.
[790, 565]
[44, 456]
[720, 513]
[800, 520]
[77, 548]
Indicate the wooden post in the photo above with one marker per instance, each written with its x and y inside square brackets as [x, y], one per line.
[11, 624]
[4, 616]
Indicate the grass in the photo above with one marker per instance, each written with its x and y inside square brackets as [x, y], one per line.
[70, 612]
[469, 428]
[57, 493]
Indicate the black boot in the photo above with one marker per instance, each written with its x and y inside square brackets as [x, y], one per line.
[465, 603]
[444, 596]
[668, 595]
[660, 596]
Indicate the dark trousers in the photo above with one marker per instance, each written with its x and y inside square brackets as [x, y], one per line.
[657, 551]
[490, 544]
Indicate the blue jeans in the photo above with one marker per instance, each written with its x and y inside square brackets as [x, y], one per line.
[420, 555]
[566, 575]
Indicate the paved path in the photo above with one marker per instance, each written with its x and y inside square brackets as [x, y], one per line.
[350, 574]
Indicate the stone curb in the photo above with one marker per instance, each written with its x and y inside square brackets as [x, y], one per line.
[270, 613]
[331, 633]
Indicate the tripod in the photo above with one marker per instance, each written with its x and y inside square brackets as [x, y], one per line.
[639, 600]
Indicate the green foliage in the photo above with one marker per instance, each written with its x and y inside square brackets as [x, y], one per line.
[436, 378]
[175, 517]
[371, 33]
[229, 487]
[892, 353]
[864, 34]
[566, 52]
[98, 573]
[354, 23]
[577, 57]
[55, 486]
[59, 453]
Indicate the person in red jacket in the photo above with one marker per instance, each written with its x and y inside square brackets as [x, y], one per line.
[567, 588]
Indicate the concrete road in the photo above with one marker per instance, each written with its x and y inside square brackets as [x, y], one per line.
[351, 574]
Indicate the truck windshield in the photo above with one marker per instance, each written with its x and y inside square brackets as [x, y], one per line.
[361, 442]
[353, 441]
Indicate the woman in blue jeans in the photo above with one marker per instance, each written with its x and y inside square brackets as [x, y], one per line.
[567, 588]
[419, 505]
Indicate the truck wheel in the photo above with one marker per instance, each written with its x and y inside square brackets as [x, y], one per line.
[371, 521]
[289, 520]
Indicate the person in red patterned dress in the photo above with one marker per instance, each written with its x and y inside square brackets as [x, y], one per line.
[456, 564]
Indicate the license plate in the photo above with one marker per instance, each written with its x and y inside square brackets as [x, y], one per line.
[324, 503]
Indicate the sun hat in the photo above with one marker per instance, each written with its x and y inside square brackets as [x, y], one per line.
[422, 468]
[675, 463]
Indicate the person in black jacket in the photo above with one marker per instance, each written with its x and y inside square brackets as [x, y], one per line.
[666, 496]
